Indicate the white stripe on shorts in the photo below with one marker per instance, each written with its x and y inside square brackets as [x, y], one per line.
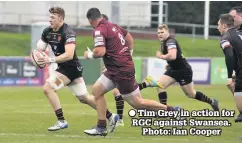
[238, 94]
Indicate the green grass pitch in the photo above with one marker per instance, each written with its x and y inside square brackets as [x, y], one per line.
[26, 114]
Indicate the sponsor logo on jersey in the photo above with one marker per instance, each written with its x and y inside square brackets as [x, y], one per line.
[98, 39]
[225, 44]
[114, 29]
[97, 33]
[99, 44]
[59, 38]
[73, 39]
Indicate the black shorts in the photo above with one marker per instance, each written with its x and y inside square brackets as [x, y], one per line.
[71, 72]
[183, 76]
[238, 82]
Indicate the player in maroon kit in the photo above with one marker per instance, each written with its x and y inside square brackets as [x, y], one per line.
[111, 44]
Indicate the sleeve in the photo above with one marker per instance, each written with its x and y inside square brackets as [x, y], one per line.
[70, 37]
[171, 43]
[44, 35]
[99, 36]
[125, 32]
[229, 56]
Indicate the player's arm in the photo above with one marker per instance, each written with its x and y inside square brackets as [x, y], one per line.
[70, 45]
[229, 60]
[98, 52]
[68, 55]
[172, 51]
[129, 39]
[171, 55]
[42, 43]
[99, 45]
[229, 56]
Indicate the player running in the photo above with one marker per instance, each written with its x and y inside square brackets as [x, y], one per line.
[231, 44]
[62, 40]
[178, 70]
[110, 44]
[117, 96]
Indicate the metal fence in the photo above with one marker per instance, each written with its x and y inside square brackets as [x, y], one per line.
[135, 22]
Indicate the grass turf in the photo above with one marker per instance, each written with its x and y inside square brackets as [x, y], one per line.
[18, 44]
[26, 114]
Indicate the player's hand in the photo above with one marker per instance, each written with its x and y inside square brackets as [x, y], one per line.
[233, 77]
[230, 82]
[86, 54]
[158, 54]
[45, 60]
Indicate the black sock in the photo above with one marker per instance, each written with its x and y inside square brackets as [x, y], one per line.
[119, 105]
[59, 114]
[163, 98]
[101, 124]
[202, 97]
[142, 86]
[108, 114]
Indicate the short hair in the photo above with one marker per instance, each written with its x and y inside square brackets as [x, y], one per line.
[58, 10]
[163, 26]
[105, 16]
[227, 19]
[238, 9]
[93, 14]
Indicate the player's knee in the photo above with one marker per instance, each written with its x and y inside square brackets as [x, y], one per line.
[116, 92]
[47, 89]
[191, 94]
[83, 99]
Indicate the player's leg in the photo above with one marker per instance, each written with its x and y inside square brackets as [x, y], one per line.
[119, 106]
[149, 82]
[165, 80]
[79, 89]
[189, 90]
[136, 101]
[102, 86]
[131, 93]
[238, 97]
[54, 83]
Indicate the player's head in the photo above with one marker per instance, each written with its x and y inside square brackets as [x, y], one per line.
[236, 12]
[226, 21]
[94, 16]
[57, 16]
[162, 32]
[105, 16]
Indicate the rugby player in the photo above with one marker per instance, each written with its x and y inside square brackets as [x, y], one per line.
[117, 96]
[231, 44]
[178, 70]
[110, 44]
[62, 40]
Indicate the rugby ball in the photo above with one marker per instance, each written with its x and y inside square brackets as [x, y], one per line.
[35, 55]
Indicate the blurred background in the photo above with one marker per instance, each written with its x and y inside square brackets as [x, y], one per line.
[194, 22]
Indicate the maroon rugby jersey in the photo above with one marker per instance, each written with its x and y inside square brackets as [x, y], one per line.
[117, 59]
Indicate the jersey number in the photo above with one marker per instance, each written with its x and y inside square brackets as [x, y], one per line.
[121, 39]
